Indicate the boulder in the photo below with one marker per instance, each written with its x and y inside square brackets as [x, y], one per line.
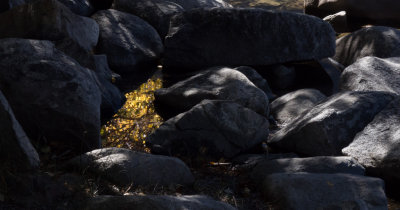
[156, 202]
[48, 20]
[111, 97]
[377, 146]
[79, 7]
[125, 167]
[330, 126]
[232, 37]
[16, 150]
[130, 43]
[257, 80]
[324, 191]
[372, 74]
[290, 106]
[378, 41]
[247, 162]
[211, 129]
[158, 12]
[282, 77]
[56, 100]
[218, 83]
[322, 164]
[338, 21]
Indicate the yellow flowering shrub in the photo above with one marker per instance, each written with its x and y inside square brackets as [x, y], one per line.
[135, 120]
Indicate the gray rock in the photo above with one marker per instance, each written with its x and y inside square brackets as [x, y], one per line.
[324, 191]
[156, 202]
[210, 129]
[321, 164]
[257, 80]
[218, 83]
[338, 21]
[288, 107]
[79, 7]
[16, 150]
[377, 146]
[158, 12]
[48, 20]
[331, 125]
[111, 97]
[378, 41]
[129, 42]
[56, 100]
[210, 37]
[125, 167]
[247, 162]
[372, 74]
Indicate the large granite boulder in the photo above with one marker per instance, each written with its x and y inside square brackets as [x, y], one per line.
[159, 12]
[16, 150]
[377, 146]
[156, 202]
[130, 43]
[331, 125]
[218, 83]
[211, 129]
[49, 20]
[210, 37]
[378, 41]
[289, 106]
[372, 74]
[257, 80]
[56, 100]
[324, 191]
[322, 164]
[125, 167]
[79, 7]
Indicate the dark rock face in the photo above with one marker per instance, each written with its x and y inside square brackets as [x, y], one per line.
[378, 41]
[331, 125]
[247, 162]
[156, 202]
[323, 165]
[126, 167]
[101, 4]
[233, 37]
[158, 12]
[79, 7]
[376, 147]
[111, 97]
[211, 129]
[324, 191]
[372, 74]
[8, 4]
[48, 20]
[16, 150]
[294, 104]
[129, 42]
[218, 83]
[56, 100]
[257, 80]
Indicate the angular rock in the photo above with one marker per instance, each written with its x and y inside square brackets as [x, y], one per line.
[125, 167]
[48, 20]
[79, 7]
[129, 42]
[56, 100]
[324, 191]
[377, 146]
[158, 13]
[249, 161]
[111, 97]
[378, 41]
[288, 107]
[210, 37]
[372, 74]
[16, 150]
[210, 129]
[322, 164]
[156, 202]
[331, 125]
[218, 83]
[338, 21]
[257, 80]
